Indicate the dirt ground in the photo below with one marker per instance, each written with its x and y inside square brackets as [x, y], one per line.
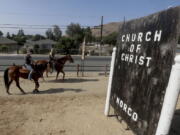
[72, 107]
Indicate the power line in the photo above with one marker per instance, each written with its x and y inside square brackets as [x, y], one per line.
[37, 25]
[25, 28]
[50, 14]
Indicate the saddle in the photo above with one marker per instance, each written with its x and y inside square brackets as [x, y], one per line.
[24, 70]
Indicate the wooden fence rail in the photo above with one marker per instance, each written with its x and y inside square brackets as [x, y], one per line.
[78, 68]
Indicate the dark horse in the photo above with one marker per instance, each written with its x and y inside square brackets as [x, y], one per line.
[59, 64]
[45, 62]
[14, 72]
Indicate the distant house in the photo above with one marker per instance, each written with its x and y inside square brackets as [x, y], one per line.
[8, 45]
[45, 44]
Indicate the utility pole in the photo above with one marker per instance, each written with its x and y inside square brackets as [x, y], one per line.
[124, 20]
[101, 42]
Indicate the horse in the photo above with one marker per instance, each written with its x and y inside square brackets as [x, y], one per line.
[59, 64]
[45, 62]
[13, 73]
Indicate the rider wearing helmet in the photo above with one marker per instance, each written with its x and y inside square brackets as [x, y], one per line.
[28, 63]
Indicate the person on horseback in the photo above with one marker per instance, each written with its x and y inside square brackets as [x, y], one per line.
[52, 57]
[52, 54]
[28, 63]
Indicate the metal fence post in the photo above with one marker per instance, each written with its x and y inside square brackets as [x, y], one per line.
[106, 68]
[107, 105]
[170, 99]
[77, 70]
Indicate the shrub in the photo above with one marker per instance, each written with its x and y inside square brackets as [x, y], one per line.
[4, 48]
[23, 50]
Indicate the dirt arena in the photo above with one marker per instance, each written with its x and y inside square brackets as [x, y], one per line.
[72, 107]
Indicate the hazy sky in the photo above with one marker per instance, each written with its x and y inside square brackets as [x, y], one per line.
[63, 12]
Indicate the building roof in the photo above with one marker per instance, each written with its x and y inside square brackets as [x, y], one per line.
[6, 41]
[46, 41]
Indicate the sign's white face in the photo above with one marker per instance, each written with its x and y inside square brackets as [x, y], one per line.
[145, 54]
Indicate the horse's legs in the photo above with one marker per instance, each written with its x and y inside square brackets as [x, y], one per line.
[57, 75]
[47, 70]
[17, 84]
[63, 74]
[36, 86]
[7, 90]
[43, 78]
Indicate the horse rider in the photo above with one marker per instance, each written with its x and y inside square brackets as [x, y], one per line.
[28, 63]
[52, 57]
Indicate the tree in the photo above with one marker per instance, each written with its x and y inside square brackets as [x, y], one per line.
[20, 33]
[74, 29]
[8, 35]
[75, 32]
[1, 33]
[87, 34]
[111, 39]
[37, 37]
[95, 39]
[20, 38]
[36, 49]
[57, 32]
[49, 34]
[29, 37]
[65, 44]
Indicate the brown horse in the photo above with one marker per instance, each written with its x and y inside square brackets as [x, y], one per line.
[59, 64]
[14, 72]
[45, 62]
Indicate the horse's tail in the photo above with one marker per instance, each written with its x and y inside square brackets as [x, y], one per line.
[6, 78]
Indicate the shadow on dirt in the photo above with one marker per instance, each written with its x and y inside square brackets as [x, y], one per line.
[60, 90]
[52, 91]
[175, 125]
[73, 80]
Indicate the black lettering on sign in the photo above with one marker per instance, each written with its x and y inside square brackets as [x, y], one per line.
[145, 54]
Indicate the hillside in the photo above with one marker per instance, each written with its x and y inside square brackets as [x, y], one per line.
[107, 29]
